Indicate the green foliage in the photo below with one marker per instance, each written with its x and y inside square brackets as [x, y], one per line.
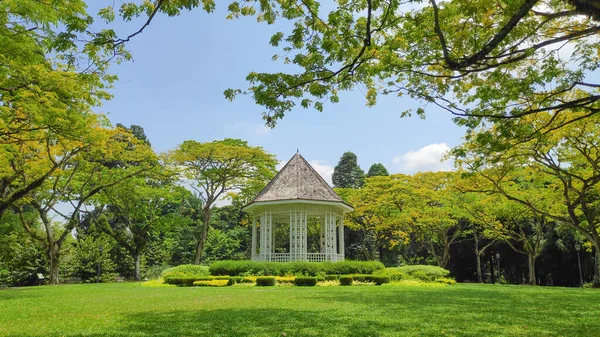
[377, 169]
[265, 281]
[247, 267]
[188, 281]
[306, 281]
[445, 280]
[239, 280]
[347, 173]
[345, 280]
[393, 273]
[186, 270]
[424, 272]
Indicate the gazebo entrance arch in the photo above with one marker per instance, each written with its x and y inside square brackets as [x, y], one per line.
[296, 197]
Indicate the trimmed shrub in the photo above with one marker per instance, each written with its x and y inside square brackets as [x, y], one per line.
[306, 281]
[331, 277]
[285, 279]
[379, 280]
[445, 280]
[189, 281]
[239, 280]
[186, 270]
[265, 281]
[394, 274]
[345, 280]
[247, 267]
[424, 273]
[211, 283]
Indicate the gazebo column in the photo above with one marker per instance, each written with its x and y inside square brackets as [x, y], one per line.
[253, 252]
[266, 235]
[330, 239]
[341, 246]
[298, 234]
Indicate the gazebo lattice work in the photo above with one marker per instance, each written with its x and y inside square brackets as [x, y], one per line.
[296, 198]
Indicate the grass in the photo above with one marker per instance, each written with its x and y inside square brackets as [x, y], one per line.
[128, 309]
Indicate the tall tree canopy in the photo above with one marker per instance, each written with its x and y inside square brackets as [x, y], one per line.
[488, 59]
[347, 173]
[228, 167]
[377, 169]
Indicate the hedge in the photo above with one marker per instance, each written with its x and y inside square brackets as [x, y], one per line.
[393, 273]
[306, 281]
[212, 283]
[239, 279]
[189, 281]
[423, 272]
[347, 280]
[186, 270]
[247, 267]
[265, 281]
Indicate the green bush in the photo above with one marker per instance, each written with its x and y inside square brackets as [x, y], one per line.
[445, 280]
[331, 277]
[306, 281]
[265, 281]
[188, 281]
[424, 273]
[186, 270]
[246, 267]
[238, 280]
[345, 280]
[379, 280]
[394, 274]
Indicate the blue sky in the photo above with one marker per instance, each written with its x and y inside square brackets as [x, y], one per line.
[174, 89]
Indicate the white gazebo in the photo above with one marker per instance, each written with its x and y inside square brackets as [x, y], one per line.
[298, 217]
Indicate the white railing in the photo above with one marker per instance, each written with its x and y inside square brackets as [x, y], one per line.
[287, 257]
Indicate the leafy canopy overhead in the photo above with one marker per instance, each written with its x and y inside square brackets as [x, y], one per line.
[488, 59]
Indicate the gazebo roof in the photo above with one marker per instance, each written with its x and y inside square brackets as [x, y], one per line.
[297, 180]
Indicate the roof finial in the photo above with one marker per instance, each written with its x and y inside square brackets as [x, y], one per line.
[297, 150]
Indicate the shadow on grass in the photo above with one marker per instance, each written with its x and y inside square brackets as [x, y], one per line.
[250, 322]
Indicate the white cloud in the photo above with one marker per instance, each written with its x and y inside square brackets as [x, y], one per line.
[323, 169]
[427, 158]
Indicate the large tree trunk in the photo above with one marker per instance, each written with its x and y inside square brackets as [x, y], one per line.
[137, 257]
[596, 257]
[53, 257]
[478, 260]
[531, 258]
[202, 241]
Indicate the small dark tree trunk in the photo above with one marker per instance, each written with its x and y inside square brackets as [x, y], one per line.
[491, 262]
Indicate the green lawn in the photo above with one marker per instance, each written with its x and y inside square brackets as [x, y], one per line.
[128, 309]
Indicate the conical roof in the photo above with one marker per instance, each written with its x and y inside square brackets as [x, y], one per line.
[297, 180]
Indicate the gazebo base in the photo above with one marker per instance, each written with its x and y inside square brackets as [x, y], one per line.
[306, 257]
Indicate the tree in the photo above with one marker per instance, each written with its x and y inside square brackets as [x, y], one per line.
[562, 167]
[222, 168]
[377, 169]
[486, 59]
[478, 210]
[376, 223]
[78, 180]
[347, 173]
[133, 210]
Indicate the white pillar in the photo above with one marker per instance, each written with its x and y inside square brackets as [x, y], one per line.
[266, 237]
[330, 239]
[253, 252]
[341, 237]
